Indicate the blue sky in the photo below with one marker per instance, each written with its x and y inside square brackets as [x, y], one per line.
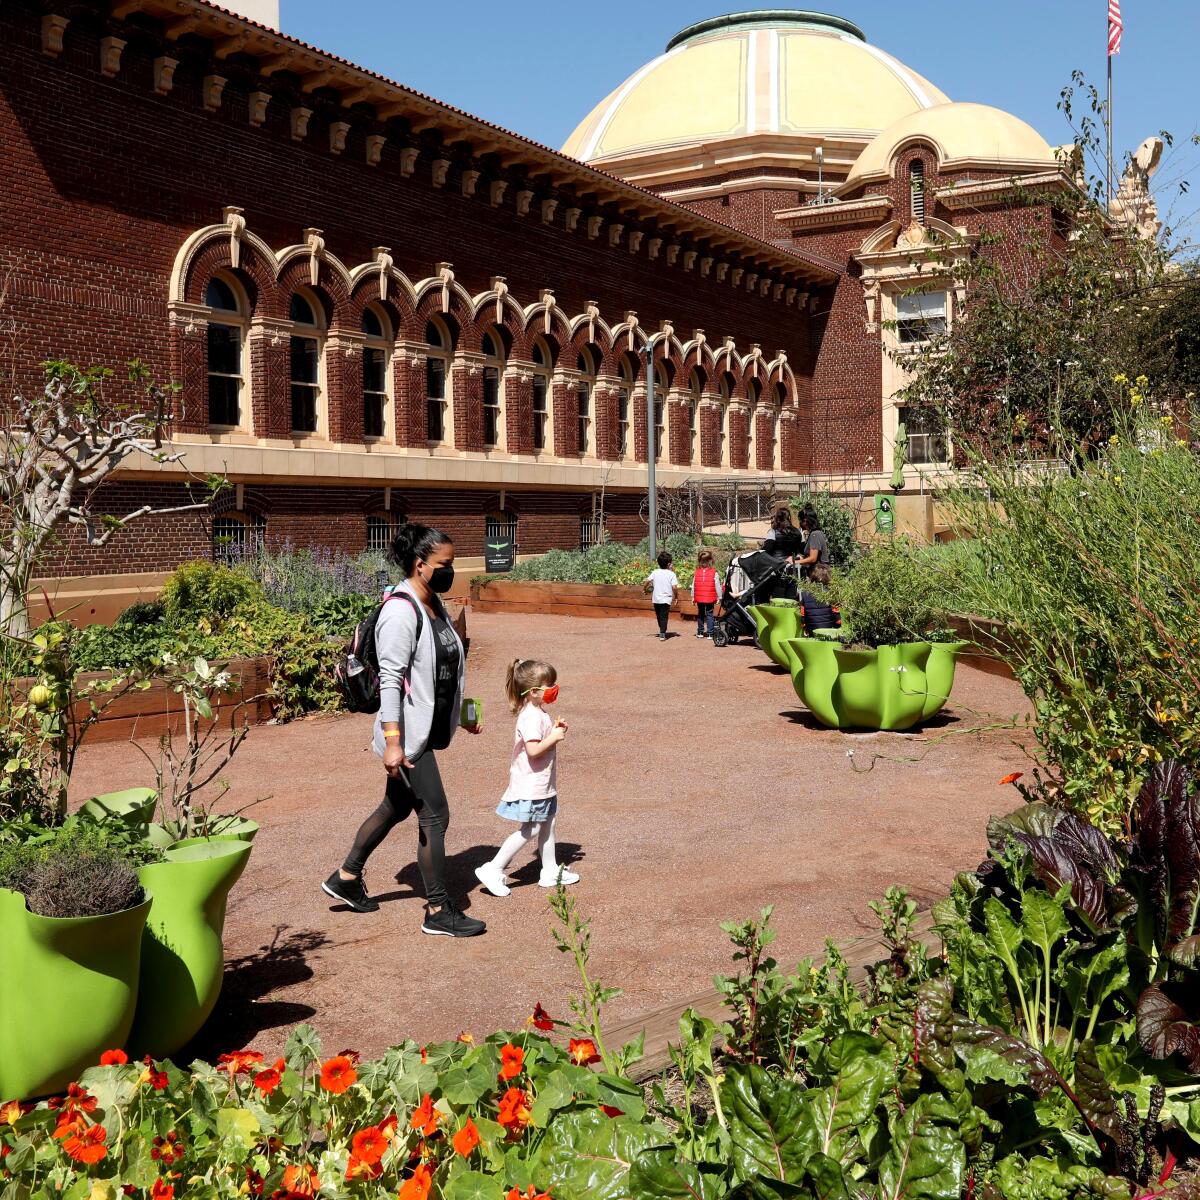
[540, 66]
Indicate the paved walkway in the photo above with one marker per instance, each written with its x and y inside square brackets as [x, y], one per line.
[694, 790]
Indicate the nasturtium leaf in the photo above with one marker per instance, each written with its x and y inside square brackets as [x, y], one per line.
[238, 1124]
[137, 1167]
[765, 1116]
[303, 1047]
[472, 1185]
[468, 1085]
[662, 1173]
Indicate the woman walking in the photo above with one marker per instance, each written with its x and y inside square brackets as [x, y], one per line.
[421, 674]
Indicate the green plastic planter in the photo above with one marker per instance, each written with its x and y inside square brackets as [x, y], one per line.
[133, 806]
[240, 828]
[892, 687]
[183, 956]
[68, 990]
[777, 623]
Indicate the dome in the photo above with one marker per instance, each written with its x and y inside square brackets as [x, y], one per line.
[961, 134]
[754, 74]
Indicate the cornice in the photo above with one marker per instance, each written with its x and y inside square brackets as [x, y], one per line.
[231, 34]
[973, 194]
[836, 212]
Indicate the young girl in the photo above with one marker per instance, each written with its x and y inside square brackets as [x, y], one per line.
[532, 795]
[705, 592]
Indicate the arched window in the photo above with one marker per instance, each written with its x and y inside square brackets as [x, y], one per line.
[725, 390]
[586, 366]
[776, 408]
[493, 383]
[541, 395]
[662, 381]
[916, 190]
[377, 357]
[753, 396]
[381, 529]
[307, 317]
[226, 342]
[624, 401]
[695, 391]
[501, 527]
[234, 539]
[438, 349]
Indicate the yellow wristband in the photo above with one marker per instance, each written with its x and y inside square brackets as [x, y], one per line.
[391, 733]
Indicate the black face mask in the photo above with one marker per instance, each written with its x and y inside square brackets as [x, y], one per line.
[441, 579]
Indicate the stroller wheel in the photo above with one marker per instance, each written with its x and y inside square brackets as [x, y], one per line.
[731, 638]
[719, 636]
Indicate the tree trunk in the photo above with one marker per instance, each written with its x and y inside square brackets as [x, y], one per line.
[16, 570]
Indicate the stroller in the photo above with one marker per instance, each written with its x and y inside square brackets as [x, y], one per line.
[752, 578]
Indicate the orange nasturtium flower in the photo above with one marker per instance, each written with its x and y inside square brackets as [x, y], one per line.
[1012, 777]
[417, 1185]
[301, 1179]
[267, 1081]
[360, 1168]
[512, 1060]
[514, 1112]
[582, 1051]
[88, 1146]
[79, 1099]
[338, 1074]
[162, 1190]
[114, 1058]
[11, 1112]
[540, 1019]
[466, 1139]
[369, 1144]
[425, 1117]
[239, 1062]
[531, 1194]
[466, 1037]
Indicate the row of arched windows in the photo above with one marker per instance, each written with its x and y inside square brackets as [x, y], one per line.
[229, 383]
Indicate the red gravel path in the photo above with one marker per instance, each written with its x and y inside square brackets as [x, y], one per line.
[694, 789]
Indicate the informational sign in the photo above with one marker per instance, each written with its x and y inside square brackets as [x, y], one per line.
[885, 515]
[499, 554]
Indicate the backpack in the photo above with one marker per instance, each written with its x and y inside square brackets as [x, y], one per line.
[357, 671]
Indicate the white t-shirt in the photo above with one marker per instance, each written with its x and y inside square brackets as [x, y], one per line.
[536, 779]
[663, 582]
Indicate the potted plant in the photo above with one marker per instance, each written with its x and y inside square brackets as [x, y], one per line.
[894, 665]
[72, 914]
[777, 620]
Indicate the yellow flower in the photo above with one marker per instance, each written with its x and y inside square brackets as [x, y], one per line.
[1167, 420]
[1181, 443]
[1116, 479]
[1112, 441]
[1141, 381]
[1120, 378]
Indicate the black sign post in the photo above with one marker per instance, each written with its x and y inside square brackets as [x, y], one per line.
[499, 555]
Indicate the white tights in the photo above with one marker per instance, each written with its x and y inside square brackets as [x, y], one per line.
[515, 842]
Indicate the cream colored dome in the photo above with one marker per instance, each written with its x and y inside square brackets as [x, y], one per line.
[962, 134]
[773, 72]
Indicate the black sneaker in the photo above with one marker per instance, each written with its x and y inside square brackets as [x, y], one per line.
[451, 922]
[350, 892]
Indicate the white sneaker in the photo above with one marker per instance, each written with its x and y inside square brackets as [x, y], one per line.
[561, 875]
[492, 879]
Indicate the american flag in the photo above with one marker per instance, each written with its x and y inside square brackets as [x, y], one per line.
[1115, 27]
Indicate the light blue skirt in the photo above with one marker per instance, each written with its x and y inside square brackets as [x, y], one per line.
[528, 810]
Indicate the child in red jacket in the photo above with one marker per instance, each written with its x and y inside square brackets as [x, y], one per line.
[704, 593]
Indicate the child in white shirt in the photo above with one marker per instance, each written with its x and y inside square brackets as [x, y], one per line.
[663, 586]
[532, 795]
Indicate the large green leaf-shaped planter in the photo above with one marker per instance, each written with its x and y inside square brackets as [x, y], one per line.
[892, 687]
[183, 958]
[68, 990]
[133, 806]
[777, 623]
[166, 836]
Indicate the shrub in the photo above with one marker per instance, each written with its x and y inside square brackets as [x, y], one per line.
[310, 580]
[206, 590]
[143, 612]
[837, 522]
[75, 870]
[887, 597]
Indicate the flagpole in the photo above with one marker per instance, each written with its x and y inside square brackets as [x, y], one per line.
[1109, 113]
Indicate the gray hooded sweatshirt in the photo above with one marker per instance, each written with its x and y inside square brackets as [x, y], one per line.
[411, 706]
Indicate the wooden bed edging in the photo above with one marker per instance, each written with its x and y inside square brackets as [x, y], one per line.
[569, 599]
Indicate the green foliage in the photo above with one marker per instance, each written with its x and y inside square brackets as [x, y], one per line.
[77, 869]
[886, 598]
[206, 590]
[837, 523]
[1094, 575]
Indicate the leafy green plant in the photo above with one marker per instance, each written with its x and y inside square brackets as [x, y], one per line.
[208, 591]
[837, 523]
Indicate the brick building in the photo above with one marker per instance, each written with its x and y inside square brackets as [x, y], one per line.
[378, 306]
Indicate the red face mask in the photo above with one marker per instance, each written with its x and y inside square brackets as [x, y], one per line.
[550, 694]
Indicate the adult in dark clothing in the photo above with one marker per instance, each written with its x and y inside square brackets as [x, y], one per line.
[815, 612]
[783, 538]
[816, 544]
[421, 676]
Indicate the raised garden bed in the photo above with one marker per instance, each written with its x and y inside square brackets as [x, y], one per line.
[568, 599]
[157, 709]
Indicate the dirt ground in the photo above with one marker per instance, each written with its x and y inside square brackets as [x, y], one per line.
[694, 789]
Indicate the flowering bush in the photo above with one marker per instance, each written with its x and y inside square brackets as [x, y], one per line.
[513, 1115]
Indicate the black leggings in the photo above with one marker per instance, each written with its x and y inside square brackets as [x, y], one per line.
[662, 612]
[420, 790]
